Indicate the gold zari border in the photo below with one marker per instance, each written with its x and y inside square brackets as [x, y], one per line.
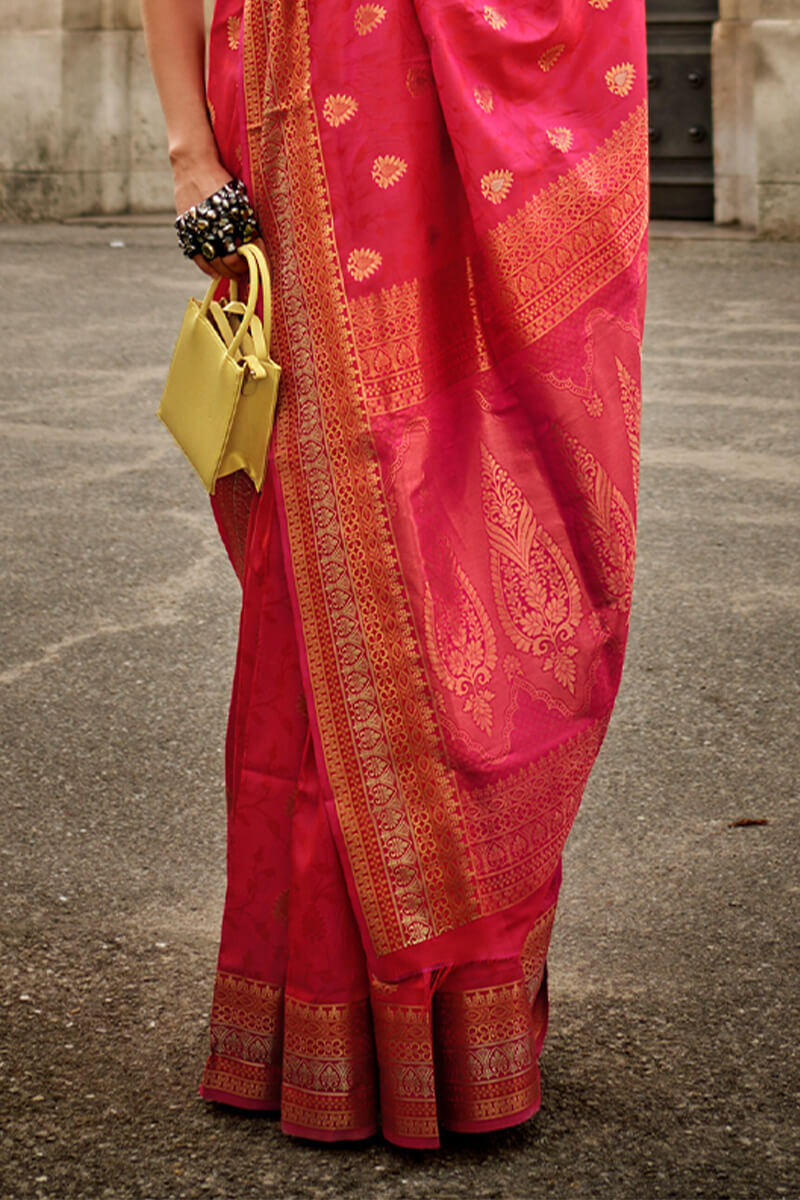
[375, 713]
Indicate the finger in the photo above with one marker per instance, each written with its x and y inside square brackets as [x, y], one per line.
[205, 266]
[234, 263]
[214, 267]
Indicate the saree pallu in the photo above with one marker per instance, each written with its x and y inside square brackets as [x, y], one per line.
[437, 575]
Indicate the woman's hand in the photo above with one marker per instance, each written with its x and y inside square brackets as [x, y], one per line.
[176, 39]
[194, 182]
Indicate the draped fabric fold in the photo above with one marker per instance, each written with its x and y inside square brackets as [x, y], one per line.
[437, 576]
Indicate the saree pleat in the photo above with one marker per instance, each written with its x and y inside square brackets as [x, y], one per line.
[437, 575]
[298, 1024]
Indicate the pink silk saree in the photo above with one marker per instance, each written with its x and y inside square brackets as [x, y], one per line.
[437, 575]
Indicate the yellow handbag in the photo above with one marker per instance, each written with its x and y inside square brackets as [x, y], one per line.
[222, 387]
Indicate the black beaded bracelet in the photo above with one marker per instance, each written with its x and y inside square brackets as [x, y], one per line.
[218, 224]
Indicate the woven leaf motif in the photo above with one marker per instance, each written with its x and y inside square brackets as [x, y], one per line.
[561, 137]
[548, 58]
[462, 644]
[368, 17]
[363, 262]
[388, 169]
[234, 32]
[607, 528]
[619, 79]
[339, 108]
[630, 395]
[537, 593]
[496, 185]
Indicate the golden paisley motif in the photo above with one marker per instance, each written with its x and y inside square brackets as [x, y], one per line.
[462, 645]
[387, 169]
[548, 58]
[619, 79]
[536, 591]
[606, 528]
[561, 137]
[339, 108]
[234, 32]
[363, 262]
[601, 4]
[368, 17]
[496, 185]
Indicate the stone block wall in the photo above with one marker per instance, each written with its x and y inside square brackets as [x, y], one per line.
[82, 131]
[756, 82]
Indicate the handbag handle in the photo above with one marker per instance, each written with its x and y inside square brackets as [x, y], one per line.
[259, 271]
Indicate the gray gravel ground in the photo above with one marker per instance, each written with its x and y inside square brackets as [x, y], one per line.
[670, 1069]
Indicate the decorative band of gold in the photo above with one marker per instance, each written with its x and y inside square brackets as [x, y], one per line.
[465, 1055]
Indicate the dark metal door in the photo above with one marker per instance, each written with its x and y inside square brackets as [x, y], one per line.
[679, 79]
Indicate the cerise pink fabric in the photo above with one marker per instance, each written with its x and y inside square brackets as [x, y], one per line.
[453, 197]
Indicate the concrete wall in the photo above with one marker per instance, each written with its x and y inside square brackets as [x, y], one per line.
[756, 82]
[82, 132]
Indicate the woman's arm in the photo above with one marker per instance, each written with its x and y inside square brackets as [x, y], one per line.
[176, 43]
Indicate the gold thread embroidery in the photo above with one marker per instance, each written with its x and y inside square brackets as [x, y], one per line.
[363, 263]
[406, 856]
[606, 528]
[484, 98]
[246, 1032]
[519, 823]
[561, 137]
[548, 58]
[590, 222]
[496, 185]
[486, 1053]
[601, 4]
[290, 188]
[339, 108]
[388, 169]
[587, 387]
[328, 1066]
[404, 1042]
[619, 79]
[400, 357]
[534, 952]
[630, 395]
[577, 234]
[536, 591]
[462, 645]
[234, 32]
[494, 18]
[368, 17]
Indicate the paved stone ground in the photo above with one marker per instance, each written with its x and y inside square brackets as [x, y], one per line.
[670, 1069]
